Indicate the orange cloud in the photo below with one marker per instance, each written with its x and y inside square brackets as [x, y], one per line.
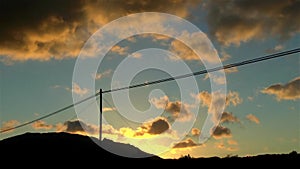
[99, 76]
[78, 90]
[119, 50]
[52, 29]
[38, 125]
[224, 146]
[231, 70]
[289, 91]
[9, 124]
[232, 98]
[195, 132]
[253, 118]
[232, 142]
[106, 109]
[177, 109]
[197, 41]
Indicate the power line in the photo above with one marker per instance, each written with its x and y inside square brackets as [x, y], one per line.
[250, 61]
[50, 114]
[259, 59]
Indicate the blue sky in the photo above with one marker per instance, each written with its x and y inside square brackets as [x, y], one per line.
[37, 65]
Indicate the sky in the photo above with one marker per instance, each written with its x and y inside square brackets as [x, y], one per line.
[42, 42]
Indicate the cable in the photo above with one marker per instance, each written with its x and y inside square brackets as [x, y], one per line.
[258, 59]
[50, 114]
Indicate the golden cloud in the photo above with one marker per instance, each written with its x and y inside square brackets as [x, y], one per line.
[55, 29]
[253, 118]
[195, 132]
[177, 109]
[289, 91]
[38, 125]
[231, 98]
[9, 124]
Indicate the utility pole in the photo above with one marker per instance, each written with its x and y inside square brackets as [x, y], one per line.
[100, 126]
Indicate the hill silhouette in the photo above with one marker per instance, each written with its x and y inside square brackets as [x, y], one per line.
[64, 146]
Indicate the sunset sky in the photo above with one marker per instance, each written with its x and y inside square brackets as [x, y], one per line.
[40, 42]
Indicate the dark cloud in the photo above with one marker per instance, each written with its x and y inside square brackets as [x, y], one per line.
[41, 30]
[179, 111]
[78, 126]
[187, 143]
[228, 117]
[233, 22]
[221, 131]
[289, 91]
[157, 126]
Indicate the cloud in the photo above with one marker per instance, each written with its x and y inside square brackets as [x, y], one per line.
[78, 127]
[9, 124]
[231, 70]
[228, 117]
[221, 131]
[289, 91]
[177, 109]
[154, 127]
[99, 76]
[275, 49]
[224, 146]
[197, 41]
[43, 30]
[119, 50]
[185, 144]
[136, 55]
[220, 102]
[106, 109]
[232, 142]
[250, 98]
[195, 132]
[78, 90]
[233, 22]
[220, 145]
[232, 98]
[224, 55]
[38, 125]
[253, 118]
[216, 79]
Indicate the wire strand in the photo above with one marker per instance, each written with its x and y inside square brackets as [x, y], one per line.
[250, 61]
